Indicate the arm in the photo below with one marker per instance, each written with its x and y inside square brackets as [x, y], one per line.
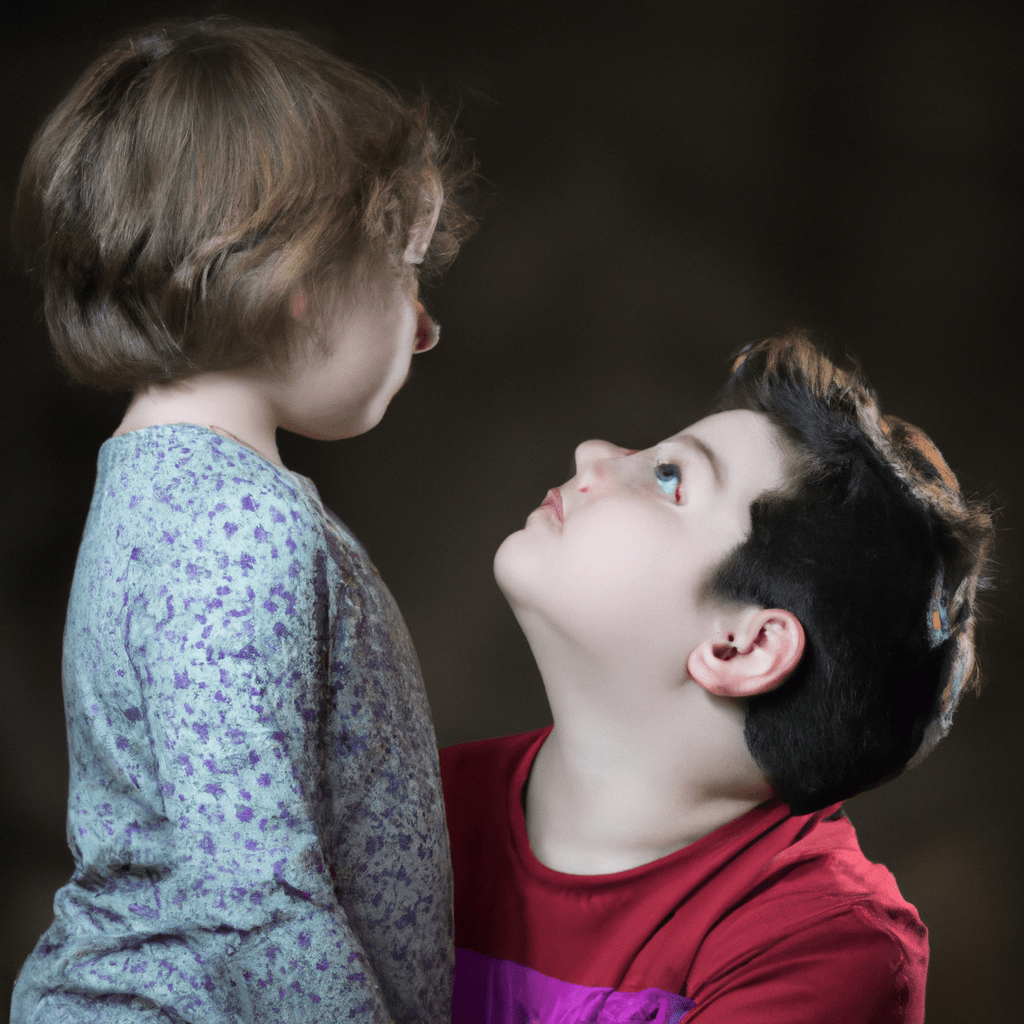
[212, 854]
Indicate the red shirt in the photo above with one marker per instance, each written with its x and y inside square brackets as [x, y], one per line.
[773, 917]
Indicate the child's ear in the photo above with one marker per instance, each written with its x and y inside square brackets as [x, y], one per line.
[298, 304]
[757, 654]
[423, 230]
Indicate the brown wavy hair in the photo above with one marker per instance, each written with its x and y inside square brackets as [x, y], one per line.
[198, 175]
[879, 554]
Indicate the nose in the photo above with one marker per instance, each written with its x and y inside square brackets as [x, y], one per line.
[427, 331]
[589, 457]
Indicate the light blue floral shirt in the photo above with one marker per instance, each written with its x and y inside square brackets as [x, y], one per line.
[255, 809]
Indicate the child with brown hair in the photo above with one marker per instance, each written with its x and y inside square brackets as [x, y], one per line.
[229, 222]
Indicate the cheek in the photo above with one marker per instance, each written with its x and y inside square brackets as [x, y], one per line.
[398, 334]
[595, 583]
[619, 549]
[385, 350]
[623, 588]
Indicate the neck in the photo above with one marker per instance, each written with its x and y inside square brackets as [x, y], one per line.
[638, 765]
[234, 404]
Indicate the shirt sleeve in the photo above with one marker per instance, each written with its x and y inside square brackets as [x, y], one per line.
[859, 964]
[216, 799]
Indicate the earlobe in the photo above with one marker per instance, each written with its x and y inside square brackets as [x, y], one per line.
[756, 656]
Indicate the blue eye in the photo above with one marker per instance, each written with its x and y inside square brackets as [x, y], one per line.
[669, 477]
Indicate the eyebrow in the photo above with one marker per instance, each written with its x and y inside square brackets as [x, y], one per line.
[717, 467]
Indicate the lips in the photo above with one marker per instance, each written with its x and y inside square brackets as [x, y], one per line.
[427, 332]
[553, 501]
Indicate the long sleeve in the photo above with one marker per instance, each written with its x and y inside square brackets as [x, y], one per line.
[212, 811]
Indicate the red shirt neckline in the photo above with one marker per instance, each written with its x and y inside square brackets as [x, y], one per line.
[756, 821]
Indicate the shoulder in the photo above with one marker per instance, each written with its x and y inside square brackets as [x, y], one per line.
[823, 873]
[184, 520]
[823, 865]
[201, 466]
[181, 490]
[818, 916]
[849, 962]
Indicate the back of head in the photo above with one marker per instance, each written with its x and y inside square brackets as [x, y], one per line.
[196, 176]
[879, 555]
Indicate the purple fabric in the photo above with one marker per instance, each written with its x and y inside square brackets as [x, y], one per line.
[255, 808]
[490, 991]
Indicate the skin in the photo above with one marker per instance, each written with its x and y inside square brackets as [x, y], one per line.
[646, 679]
[342, 393]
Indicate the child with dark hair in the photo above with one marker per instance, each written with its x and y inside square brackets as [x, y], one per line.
[737, 629]
[229, 222]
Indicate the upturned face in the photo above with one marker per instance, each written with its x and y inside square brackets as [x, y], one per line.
[615, 560]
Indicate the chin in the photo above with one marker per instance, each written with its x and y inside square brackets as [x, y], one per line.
[327, 429]
[516, 570]
[321, 433]
[504, 562]
[366, 424]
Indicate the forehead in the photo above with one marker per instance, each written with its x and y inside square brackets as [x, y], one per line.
[744, 449]
[737, 434]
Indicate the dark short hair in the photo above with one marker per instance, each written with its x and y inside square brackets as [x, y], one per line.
[876, 551]
[199, 173]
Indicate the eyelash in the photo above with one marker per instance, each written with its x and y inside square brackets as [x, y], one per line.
[666, 472]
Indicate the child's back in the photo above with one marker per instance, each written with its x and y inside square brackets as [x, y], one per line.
[252, 778]
[228, 222]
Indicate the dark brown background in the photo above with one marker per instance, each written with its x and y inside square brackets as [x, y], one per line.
[666, 183]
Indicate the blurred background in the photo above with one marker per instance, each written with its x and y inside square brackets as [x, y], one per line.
[663, 182]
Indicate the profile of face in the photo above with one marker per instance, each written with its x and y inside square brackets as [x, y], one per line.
[372, 336]
[615, 560]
